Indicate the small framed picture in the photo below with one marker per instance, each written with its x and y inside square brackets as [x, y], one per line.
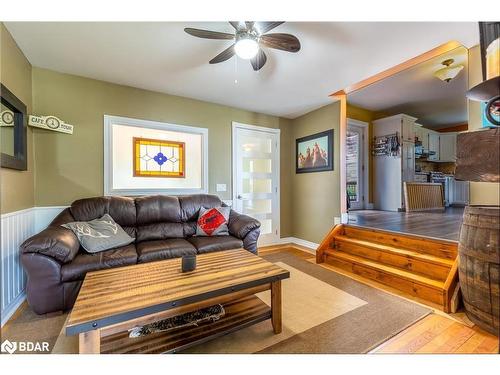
[314, 153]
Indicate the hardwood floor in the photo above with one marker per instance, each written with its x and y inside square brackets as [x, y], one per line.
[436, 333]
[431, 224]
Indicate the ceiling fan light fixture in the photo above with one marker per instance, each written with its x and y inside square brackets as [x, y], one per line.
[246, 48]
[447, 73]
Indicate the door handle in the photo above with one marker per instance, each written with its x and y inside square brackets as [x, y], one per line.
[239, 197]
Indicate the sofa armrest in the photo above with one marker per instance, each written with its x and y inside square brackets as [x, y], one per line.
[55, 242]
[240, 225]
[44, 289]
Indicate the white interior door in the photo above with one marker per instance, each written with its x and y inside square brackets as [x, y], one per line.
[355, 168]
[256, 177]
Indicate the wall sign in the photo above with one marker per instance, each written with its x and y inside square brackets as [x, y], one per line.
[50, 123]
[7, 118]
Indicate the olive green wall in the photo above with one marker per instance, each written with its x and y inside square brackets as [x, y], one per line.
[69, 167]
[315, 196]
[17, 187]
[481, 193]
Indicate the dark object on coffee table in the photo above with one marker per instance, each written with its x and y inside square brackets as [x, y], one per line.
[188, 263]
[208, 314]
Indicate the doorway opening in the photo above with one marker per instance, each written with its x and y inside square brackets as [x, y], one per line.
[357, 164]
[413, 120]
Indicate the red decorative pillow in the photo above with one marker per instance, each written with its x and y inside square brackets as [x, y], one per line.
[213, 221]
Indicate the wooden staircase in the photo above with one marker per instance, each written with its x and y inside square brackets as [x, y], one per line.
[422, 267]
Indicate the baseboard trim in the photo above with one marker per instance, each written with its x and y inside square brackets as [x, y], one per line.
[12, 308]
[308, 245]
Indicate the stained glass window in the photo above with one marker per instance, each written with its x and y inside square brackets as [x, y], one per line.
[159, 158]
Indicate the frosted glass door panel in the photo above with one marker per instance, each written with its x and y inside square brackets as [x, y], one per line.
[255, 144]
[256, 185]
[252, 165]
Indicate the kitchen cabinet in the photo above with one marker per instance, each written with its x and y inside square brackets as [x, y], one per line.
[447, 147]
[433, 145]
[407, 128]
[423, 136]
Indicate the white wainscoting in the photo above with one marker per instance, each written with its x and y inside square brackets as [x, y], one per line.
[15, 228]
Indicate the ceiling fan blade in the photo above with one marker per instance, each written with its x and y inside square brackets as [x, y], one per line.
[249, 25]
[223, 56]
[259, 60]
[235, 24]
[284, 42]
[264, 27]
[207, 34]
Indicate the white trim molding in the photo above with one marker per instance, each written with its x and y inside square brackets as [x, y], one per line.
[311, 246]
[109, 121]
[270, 238]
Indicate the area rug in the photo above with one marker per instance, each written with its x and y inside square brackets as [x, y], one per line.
[323, 312]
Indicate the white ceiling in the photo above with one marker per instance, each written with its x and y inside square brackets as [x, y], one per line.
[162, 57]
[418, 93]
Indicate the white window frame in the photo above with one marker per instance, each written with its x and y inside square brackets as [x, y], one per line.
[109, 121]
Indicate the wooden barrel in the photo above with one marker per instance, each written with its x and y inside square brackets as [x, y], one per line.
[479, 265]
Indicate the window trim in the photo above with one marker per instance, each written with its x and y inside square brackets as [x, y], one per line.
[110, 120]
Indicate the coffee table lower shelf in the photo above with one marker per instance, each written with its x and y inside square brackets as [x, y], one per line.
[241, 313]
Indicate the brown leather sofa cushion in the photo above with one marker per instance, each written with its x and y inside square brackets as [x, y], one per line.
[158, 209]
[121, 209]
[190, 205]
[160, 231]
[84, 262]
[56, 242]
[215, 243]
[150, 251]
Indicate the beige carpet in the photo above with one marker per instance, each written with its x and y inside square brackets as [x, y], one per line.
[307, 302]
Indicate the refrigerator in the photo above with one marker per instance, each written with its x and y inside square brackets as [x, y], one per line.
[392, 169]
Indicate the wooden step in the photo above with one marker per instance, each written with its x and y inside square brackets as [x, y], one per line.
[425, 245]
[425, 264]
[406, 281]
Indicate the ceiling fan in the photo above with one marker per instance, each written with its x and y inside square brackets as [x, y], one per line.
[248, 40]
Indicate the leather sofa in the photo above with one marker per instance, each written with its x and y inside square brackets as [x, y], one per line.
[163, 228]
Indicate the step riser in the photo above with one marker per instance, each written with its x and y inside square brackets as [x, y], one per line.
[412, 288]
[440, 249]
[432, 270]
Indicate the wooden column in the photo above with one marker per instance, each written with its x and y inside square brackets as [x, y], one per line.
[90, 342]
[276, 306]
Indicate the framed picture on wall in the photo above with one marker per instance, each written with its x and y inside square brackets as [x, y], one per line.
[314, 153]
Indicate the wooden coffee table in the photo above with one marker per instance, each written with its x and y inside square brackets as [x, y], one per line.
[112, 301]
